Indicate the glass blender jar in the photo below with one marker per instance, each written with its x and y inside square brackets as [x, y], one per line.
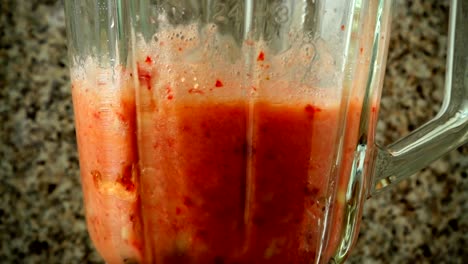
[240, 131]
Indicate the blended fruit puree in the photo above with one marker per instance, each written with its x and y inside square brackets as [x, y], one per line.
[179, 173]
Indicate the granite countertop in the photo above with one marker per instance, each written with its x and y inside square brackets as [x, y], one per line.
[422, 220]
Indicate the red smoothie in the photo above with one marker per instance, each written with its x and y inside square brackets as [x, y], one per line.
[217, 186]
[174, 172]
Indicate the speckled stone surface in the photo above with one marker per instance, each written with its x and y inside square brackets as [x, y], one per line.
[422, 220]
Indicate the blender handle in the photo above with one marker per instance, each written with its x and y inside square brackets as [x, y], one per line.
[448, 130]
